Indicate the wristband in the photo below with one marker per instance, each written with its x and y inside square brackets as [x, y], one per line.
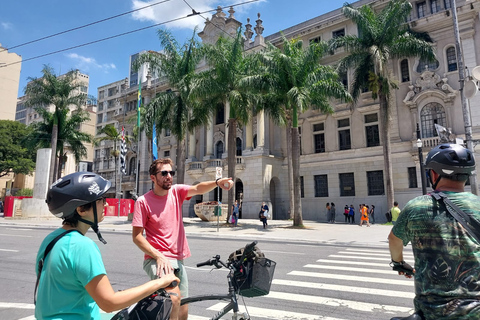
[216, 182]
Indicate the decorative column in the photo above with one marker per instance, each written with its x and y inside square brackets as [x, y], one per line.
[249, 135]
[227, 115]
[260, 129]
[209, 141]
[191, 146]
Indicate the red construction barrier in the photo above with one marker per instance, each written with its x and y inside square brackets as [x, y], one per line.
[126, 207]
[8, 205]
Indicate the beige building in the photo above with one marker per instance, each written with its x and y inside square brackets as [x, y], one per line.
[10, 65]
[341, 154]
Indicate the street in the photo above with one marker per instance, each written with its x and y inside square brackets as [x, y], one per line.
[311, 281]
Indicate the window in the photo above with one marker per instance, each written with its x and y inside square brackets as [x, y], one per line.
[239, 146]
[112, 91]
[220, 117]
[131, 166]
[412, 177]
[254, 142]
[166, 153]
[404, 70]
[347, 184]
[100, 106]
[97, 153]
[338, 33]
[319, 137]
[167, 132]
[431, 114]
[344, 134]
[435, 5]
[343, 79]
[99, 118]
[424, 65]
[371, 130]
[101, 94]
[219, 150]
[421, 9]
[447, 4]
[375, 183]
[315, 40]
[451, 59]
[321, 185]
[302, 190]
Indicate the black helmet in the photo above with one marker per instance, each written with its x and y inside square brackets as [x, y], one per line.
[74, 190]
[450, 160]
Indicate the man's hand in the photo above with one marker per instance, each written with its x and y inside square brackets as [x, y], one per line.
[225, 183]
[403, 268]
[164, 266]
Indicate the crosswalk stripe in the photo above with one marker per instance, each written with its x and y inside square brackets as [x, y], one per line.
[376, 251]
[274, 314]
[352, 278]
[17, 305]
[365, 254]
[371, 264]
[361, 257]
[350, 289]
[348, 304]
[316, 266]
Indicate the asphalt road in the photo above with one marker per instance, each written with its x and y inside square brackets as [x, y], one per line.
[312, 281]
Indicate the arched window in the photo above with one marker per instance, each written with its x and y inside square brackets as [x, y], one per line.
[423, 65]
[219, 150]
[451, 59]
[239, 146]
[131, 166]
[432, 113]
[404, 70]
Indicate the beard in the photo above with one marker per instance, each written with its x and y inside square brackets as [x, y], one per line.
[166, 185]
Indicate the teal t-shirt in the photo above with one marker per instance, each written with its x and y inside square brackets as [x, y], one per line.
[447, 258]
[72, 263]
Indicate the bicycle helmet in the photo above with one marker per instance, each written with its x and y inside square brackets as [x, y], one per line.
[450, 161]
[75, 190]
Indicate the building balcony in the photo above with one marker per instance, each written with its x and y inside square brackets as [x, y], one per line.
[197, 169]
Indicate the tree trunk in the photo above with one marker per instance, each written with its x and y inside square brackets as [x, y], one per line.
[387, 152]
[232, 160]
[53, 159]
[297, 216]
[290, 169]
[180, 161]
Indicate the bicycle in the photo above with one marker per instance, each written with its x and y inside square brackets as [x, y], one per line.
[250, 275]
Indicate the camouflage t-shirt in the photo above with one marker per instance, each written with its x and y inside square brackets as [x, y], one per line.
[447, 258]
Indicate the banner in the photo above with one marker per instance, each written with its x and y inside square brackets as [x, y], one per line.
[154, 143]
[123, 153]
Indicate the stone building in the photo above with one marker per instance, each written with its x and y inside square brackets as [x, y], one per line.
[341, 154]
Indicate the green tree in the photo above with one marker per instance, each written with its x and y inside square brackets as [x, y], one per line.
[69, 135]
[174, 110]
[15, 157]
[382, 37]
[60, 92]
[294, 81]
[225, 84]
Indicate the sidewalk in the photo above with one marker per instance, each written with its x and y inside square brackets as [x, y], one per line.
[251, 229]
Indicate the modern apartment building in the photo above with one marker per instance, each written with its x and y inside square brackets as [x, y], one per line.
[10, 66]
[341, 154]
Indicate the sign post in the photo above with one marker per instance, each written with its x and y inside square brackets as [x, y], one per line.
[218, 175]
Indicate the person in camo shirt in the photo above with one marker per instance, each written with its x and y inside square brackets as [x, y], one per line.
[447, 258]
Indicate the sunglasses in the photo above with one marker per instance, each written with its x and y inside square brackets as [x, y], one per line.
[165, 173]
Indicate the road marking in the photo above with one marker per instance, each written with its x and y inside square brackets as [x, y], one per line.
[376, 251]
[274, 314]
[361, 263]
[332, 302]
[19, 229]
[8, 250]
[316, 266]
[284, 252]
[351, 278]
[366, 254]
[17, 305]
[28, 318]
[350, 289]
[15, 235]
[360, 258]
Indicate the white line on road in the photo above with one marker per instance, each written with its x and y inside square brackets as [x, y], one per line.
[316, 266]
[14, 305]
[376, 251]
[332, 302]
[274, 314]
[350, 289]
[361, 263]
[360, 258]
[367, 254]
[28, 318]
[8, 250]
[283, 252]
[19, 229]
[14, 235]
[351, 278]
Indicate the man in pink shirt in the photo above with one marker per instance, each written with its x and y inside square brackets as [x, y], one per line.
[159, 213]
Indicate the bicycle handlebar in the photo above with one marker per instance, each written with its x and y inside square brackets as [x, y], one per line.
[210, 262]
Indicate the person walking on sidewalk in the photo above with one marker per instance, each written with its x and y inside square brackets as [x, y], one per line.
[364, 215]
[447, 259]
[395, 212]
[159, 214]
[332, 212]
[72, 281]
[371, 214]
[328, 212]
[235, 212]
[263, 214]
[351, 214]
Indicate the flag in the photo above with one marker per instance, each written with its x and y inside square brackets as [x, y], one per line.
[154, 143]
[123, 153]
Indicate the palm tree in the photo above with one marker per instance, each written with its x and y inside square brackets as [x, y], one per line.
[382, 36]
[294, 81]
[61, 93]
[69, 136]
[226, 84]
[174, 110]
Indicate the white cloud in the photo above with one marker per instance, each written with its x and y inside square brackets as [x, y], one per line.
[6, 25]
[174, 9]
[86, 63]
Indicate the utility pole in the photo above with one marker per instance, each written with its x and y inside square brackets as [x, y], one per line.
[465, 105]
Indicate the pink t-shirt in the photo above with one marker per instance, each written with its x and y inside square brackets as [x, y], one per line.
[161, 218]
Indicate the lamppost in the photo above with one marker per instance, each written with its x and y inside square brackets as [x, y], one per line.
[420, 158]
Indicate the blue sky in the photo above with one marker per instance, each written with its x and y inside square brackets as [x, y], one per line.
[105, 62]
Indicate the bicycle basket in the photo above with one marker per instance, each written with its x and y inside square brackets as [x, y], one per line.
[256, 279]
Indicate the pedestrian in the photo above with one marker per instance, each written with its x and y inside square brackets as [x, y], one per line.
[328, 212]
[371, 214]
[447, 260]
[332, 212]
[73, 282]
[346, 210]
[351, 214]
[395, 212]
[159, 214]
[235, 212]
[264, 214]
[364, 215]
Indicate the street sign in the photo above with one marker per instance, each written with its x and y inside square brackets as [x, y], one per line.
[218, 174]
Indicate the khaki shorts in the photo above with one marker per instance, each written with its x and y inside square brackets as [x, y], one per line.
[150, 267]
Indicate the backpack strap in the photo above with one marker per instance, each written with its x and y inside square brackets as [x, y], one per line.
[42, 260]
[464, 219]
